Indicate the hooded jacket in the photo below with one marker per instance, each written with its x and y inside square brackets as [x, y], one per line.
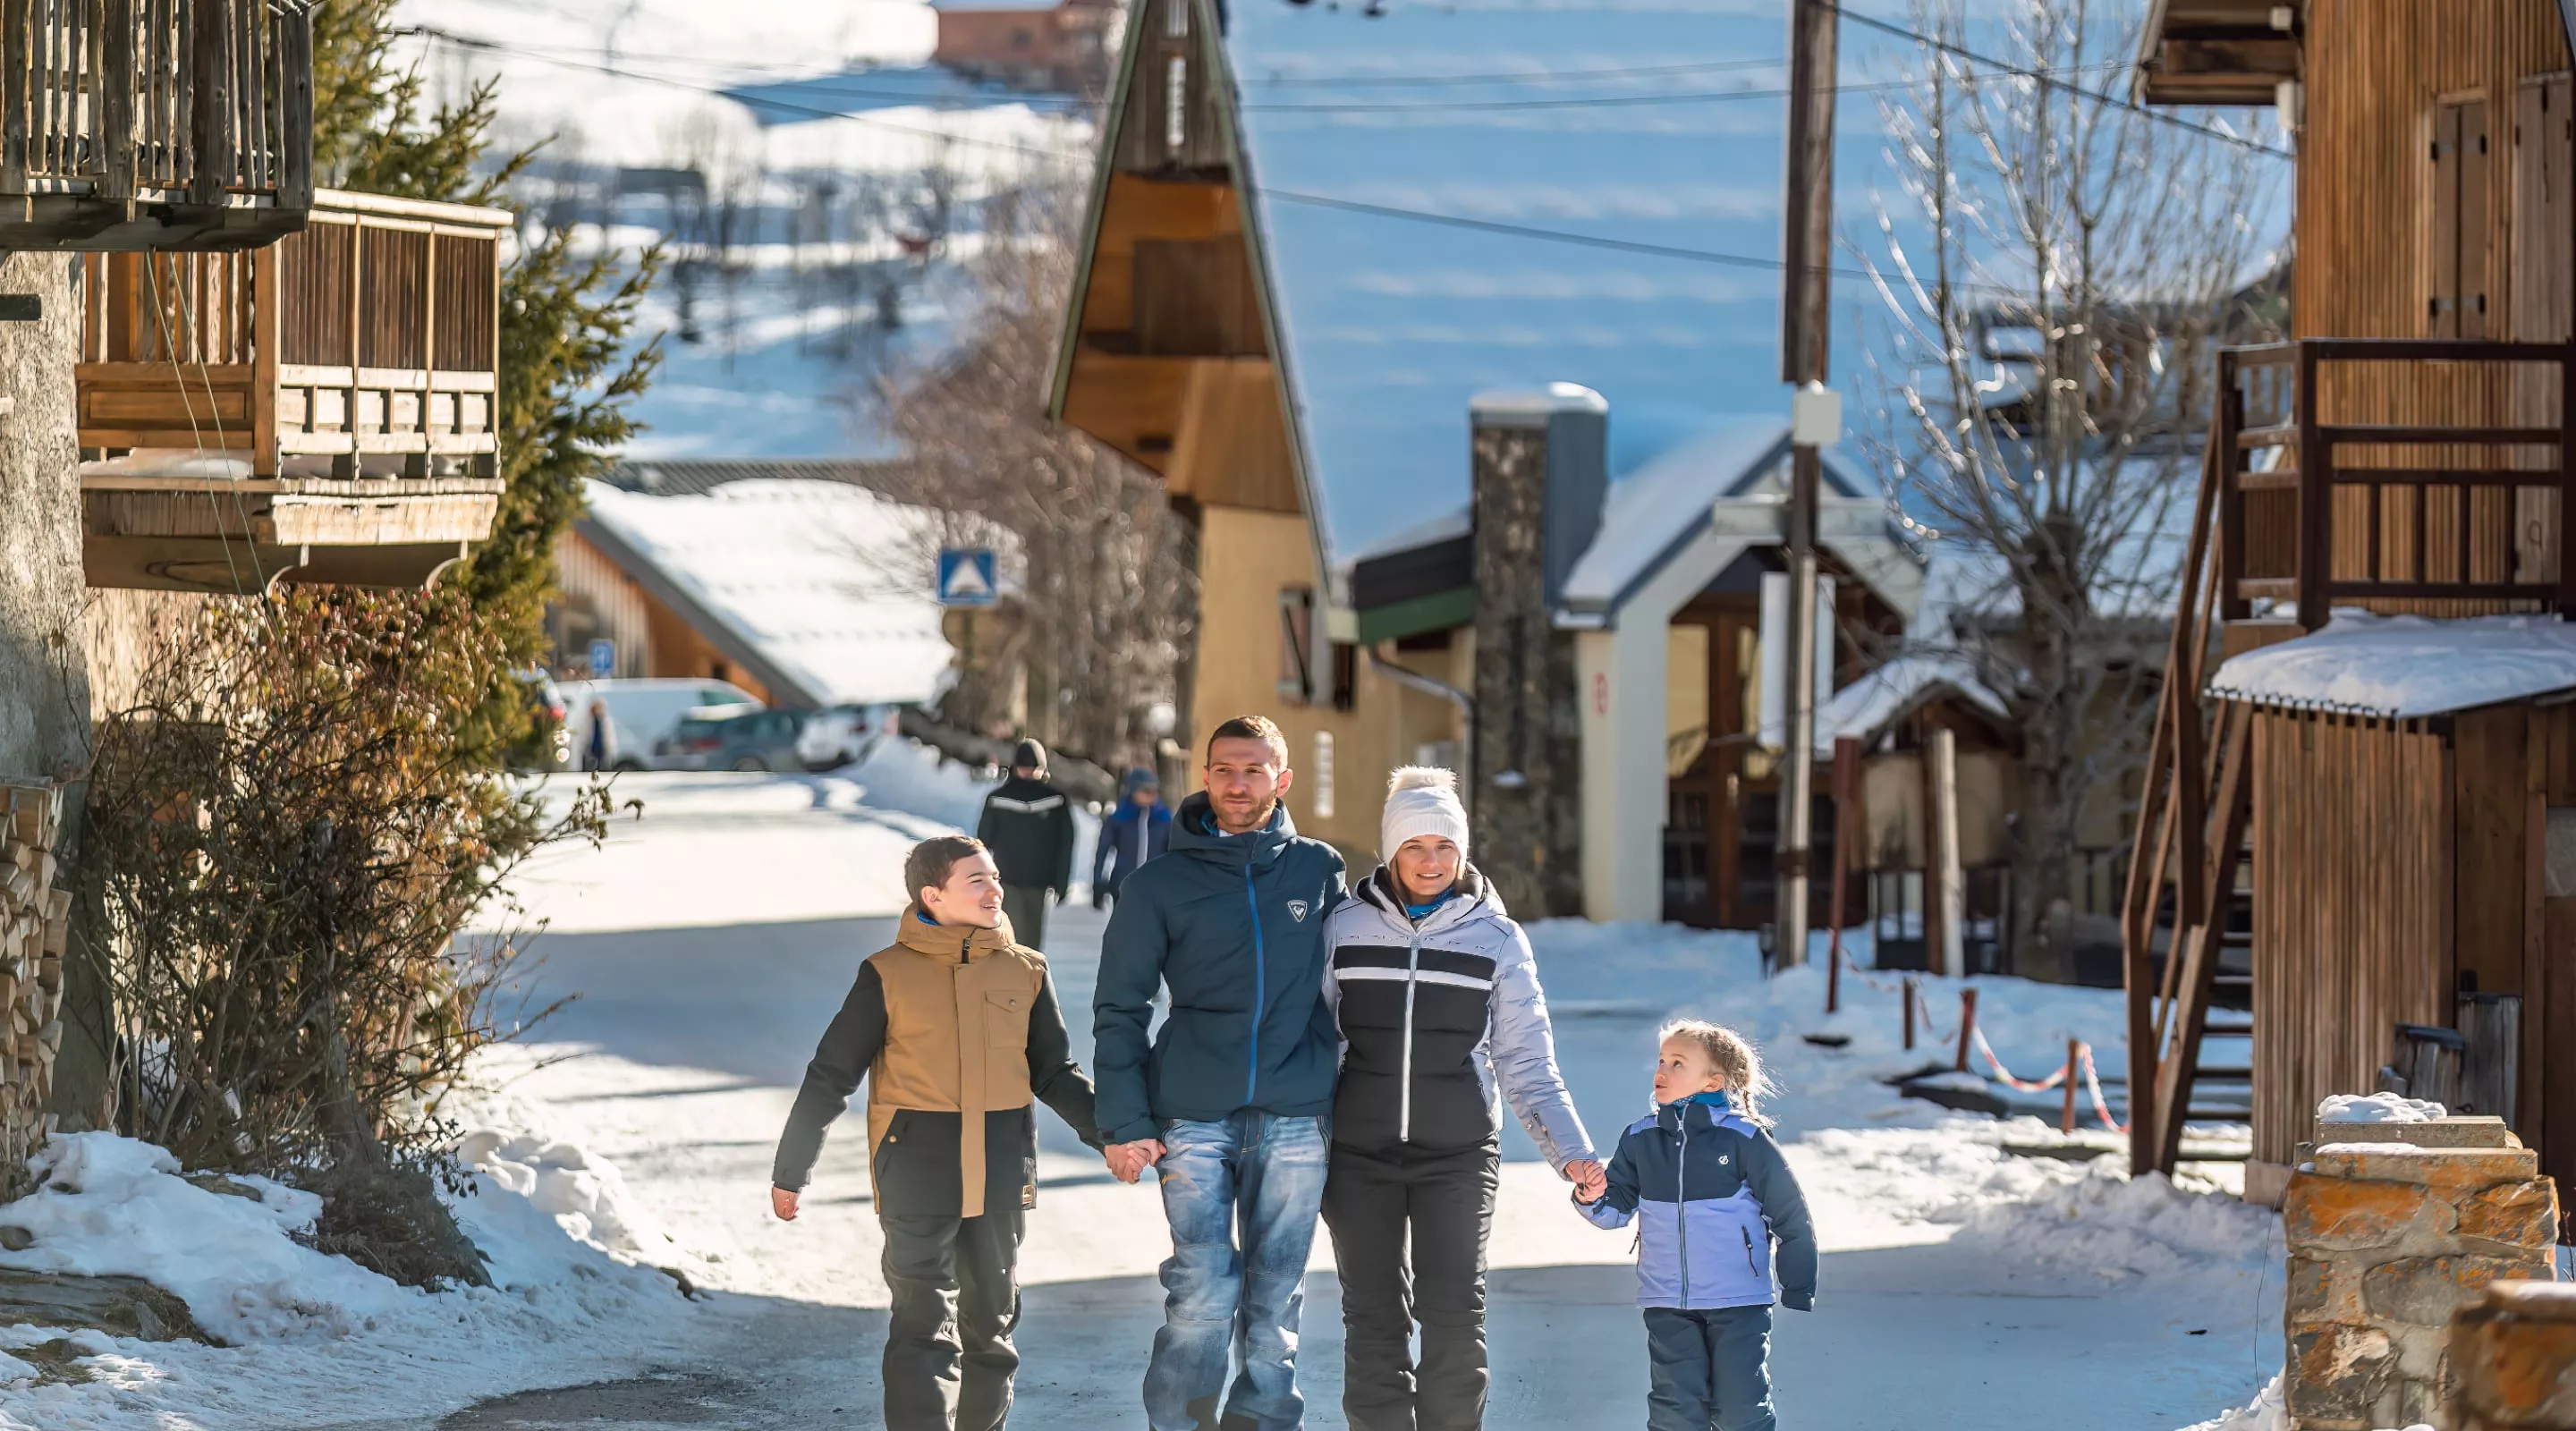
[947, 1025]
[1441, 1019]
[1129, 835]
[1233, 926]
[1028, 825]
[1712, 1196]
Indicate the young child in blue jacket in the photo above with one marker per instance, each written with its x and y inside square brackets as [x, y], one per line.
[1713, 1199]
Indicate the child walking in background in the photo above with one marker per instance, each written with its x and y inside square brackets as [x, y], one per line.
[1712, 1196]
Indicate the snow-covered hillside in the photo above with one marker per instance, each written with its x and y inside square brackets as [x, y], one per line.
[812, 180]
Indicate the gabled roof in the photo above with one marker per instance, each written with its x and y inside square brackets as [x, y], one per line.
[820, 590]
[1889, 692]
[1581, 116]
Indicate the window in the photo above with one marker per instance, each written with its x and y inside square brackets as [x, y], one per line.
[1176, 104]
[2456, 303]
[1296, 645]
[1346, 675]
[1323, 775]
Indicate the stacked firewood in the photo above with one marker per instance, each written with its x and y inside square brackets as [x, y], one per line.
[35, 924]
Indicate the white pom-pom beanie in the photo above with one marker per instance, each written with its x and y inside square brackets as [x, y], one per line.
[1421, 800]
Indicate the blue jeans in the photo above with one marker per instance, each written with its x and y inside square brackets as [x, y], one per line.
[1264, 1177]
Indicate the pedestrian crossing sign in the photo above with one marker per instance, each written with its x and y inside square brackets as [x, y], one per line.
[966, 577]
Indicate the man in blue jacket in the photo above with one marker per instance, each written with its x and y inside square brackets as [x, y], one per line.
[1231, 1093]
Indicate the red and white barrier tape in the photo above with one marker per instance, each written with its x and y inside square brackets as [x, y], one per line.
[2093, 1085]
[2004, 1075]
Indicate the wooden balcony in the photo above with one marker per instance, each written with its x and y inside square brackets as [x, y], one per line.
[2421, 476]
[154, 124]
[330, 397]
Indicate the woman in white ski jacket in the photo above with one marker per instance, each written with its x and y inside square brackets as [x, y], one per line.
[1441, 1020]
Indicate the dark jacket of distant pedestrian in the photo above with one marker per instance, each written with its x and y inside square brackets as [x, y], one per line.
[1028, 825]
[1138, 830]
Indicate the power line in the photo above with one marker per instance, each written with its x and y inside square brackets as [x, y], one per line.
[1595, 101]
[1494, 226]
[1521, 77]
[2049, 81]
[496, 47]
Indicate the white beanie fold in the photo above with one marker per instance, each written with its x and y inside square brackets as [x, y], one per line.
[1421, 800]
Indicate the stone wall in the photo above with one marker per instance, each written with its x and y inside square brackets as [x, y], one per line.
[2387, 1241]
[2513, 1354]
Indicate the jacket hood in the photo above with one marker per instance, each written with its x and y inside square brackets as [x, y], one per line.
[1136, 780]
[1194, 832]
[1472, 897]
[942, 940]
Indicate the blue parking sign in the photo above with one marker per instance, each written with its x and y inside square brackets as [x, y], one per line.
[966, 577]
[603, 657]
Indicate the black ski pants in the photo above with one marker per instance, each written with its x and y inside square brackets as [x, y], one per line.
[1442, 1204]
[948, 1355]
[1708, 1369]
[1027, 910]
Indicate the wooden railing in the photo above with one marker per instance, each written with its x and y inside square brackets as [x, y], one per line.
[166, 123]
[373, 333]
[2364, 500]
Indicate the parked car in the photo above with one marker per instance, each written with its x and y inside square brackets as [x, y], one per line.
[731, 738]
[550, 748]
[844, 735]
[642, 711]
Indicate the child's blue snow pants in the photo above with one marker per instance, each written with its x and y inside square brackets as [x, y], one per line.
[1709, 1369]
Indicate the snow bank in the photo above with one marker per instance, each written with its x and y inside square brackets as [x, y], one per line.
[2377, 1108]
[112, 1206]
[2266, 1412]
[317, 1339]
[2123, 1228]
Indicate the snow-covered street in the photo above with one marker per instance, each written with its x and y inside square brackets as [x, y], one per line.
[710, 939]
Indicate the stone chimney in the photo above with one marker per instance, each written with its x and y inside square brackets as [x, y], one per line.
[1540, 462]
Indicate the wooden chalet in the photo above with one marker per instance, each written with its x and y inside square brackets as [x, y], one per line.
[317, 410]
[2364, 772]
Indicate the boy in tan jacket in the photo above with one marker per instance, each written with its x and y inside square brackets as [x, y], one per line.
[955, 1029]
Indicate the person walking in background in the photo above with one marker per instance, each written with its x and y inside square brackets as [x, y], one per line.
[1028, 825]
[1138, 830]
[599, 747]
[1714, 1200]
[956, 1029]
[1231, 1092]
[1441, 1019]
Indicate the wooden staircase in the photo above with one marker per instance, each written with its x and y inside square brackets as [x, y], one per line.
[2190, 858]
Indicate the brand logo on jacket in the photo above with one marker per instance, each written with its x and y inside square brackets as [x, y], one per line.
[1297, 909]
[1723, 1159]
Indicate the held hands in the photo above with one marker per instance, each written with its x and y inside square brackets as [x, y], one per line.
[1590, 1179]
[782, 1201]
[1128, 1161]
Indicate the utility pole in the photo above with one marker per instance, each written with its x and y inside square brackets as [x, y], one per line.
[1807, 247]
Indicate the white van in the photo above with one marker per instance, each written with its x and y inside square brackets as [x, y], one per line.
[641, 712]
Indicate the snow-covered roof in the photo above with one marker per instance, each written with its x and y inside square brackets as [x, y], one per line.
[1585, 116]
[1663, 504]
[1893, 689]
[2403, 666]
[822, 590]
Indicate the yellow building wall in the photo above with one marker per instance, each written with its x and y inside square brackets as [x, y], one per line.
[1246, 558]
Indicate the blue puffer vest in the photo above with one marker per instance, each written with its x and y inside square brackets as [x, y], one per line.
[1712, 1196]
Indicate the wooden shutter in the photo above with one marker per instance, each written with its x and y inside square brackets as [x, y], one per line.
[2543, 275]
[1296, 645]
[2456, 306]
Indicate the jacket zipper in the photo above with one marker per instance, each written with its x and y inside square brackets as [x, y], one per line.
[1681, 1194]
[1404, 1100]
[1252, 1069]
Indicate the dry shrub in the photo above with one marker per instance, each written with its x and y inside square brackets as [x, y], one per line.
[290, 825]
